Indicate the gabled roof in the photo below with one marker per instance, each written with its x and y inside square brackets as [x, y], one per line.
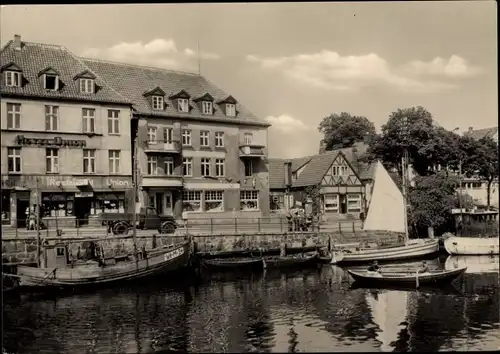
[180, 94]
[482, 133]
[205, 97]
[228, 99]
[317, 165]
[48, 71]
[11, 67]
[157, 91]
[34, 57]
[86, 74]
[132, 80]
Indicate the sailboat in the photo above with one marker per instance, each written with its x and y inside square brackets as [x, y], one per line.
[389, 311]
[387, 212]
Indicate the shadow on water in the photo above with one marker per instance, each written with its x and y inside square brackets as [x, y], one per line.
[308, 310]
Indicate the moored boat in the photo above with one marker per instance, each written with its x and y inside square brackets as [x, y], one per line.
[474, 264]
[61, 273]
[233, 263]
[407, 278]
[472, 245]
[299, 260]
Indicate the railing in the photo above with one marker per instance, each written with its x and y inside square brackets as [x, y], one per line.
[92, 227]
[167, 146]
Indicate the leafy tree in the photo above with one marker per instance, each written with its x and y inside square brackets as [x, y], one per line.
[343, 130]
[487, 163]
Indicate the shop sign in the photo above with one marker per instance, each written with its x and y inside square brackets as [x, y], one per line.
[8, 183]
[84, 195]
[56, 142]
[74, 182]
[117, 182]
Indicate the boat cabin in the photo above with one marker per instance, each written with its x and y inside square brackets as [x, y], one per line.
[55, 255]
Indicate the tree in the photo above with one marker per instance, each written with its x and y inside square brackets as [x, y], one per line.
[412, 129]
[487, 163]
[343, 130]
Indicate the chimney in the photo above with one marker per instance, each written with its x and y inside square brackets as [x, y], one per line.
[471, 129]
[288, 173]
[17, 42]
[322, 146]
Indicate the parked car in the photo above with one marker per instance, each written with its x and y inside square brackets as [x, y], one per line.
[146, 219]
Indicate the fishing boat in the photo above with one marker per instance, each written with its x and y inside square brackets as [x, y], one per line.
[253, 263]
[407, 278]
[387, 212]
[472, 245]
[474, 264]
[296, 260]
[60, 272]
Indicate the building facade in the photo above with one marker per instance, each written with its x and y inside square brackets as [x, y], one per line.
[200, 153]
[65, 137]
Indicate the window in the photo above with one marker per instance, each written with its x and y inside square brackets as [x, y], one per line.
[219, 167]
[187, 166]
[107, 203]
[248, 168]
[206, 107]
[13, 115]
[14, 160]
[204, 138]
[230, 110]
[186, 137]
[158, 104]
[152, 165]
[248, 138]
[354, 203]
[51, 118]
[51, 82]
[114, 161]
[151, 135]
[52, 160]
[340, 170]
[214, 201]
[169, 166]
[88, 119]
[86, 85]
[191, 201]
[183, 105]
[249, 200]
[88, 161]
[331, 202]
[113, 122]
[219, 139]
[168, 135]
[57, 204]
[205, 167]
[12, 79]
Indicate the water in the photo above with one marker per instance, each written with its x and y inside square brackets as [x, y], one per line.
[305, 310]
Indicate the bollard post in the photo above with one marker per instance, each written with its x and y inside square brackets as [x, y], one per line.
[211, 226]
[77, 228]
[281, 224]
[258, 224]
[340, 227]
[353, 227]
[235, 225]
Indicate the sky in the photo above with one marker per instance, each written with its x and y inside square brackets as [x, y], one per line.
[294, 63]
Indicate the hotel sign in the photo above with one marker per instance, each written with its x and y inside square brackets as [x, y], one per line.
[55, 142]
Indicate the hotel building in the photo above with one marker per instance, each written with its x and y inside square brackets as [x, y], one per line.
[65, 136]
[201, 153]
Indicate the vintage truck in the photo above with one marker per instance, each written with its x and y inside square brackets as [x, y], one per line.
[146, 219]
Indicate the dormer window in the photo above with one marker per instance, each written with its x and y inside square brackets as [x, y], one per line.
[230, 109]
[157, 103]
[12, 78]
[86, 85]
[51, 82]
[183, 105]
[206, 107]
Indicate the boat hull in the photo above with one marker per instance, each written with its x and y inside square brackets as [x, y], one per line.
[472, 245]
[233, 264]
[158, 262]
[415, 249]
[474, 264]
[290, 261]
[435, 277]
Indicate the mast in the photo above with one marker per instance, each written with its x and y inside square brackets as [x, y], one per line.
[135, 186]
[404, 176]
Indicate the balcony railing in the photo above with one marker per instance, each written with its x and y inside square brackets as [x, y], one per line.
[162, 180]
[163, 146]
[251, 150]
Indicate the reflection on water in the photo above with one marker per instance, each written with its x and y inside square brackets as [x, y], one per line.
[310, 310]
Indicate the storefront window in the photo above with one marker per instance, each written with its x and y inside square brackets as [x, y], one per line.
[57, 204]
[214, 201]
[107, 203]
[249, 200]
[331, 202]
[354, 203]
[277, 201]
[191, 201]
[5, 206]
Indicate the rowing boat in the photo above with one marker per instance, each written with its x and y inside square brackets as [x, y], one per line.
[410, 277]
[300, 260]
[233, 263]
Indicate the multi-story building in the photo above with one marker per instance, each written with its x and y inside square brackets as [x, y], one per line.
[199, 151]
[65, 136]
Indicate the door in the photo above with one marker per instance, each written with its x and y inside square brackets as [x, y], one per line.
[159, 203]
[22, 206]
[82, 211]
[168, 208]
[343, 203]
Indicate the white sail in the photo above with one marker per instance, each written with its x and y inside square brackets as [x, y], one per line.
[389, 311]
[386, 210]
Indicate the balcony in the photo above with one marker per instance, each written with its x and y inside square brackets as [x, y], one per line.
[149, 181]
[163, 146]
[251, 150]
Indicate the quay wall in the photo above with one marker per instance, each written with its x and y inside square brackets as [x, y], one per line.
[22, 249]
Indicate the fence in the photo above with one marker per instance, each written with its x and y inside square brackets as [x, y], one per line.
[272, 224]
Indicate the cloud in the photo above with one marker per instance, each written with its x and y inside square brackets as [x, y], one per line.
[287, 124]
[329, 70]
[159, 53]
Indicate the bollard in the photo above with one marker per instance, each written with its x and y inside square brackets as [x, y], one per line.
[281, 224]
[258, 224]
[353, 227]
[235, 225]
[211, 225]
